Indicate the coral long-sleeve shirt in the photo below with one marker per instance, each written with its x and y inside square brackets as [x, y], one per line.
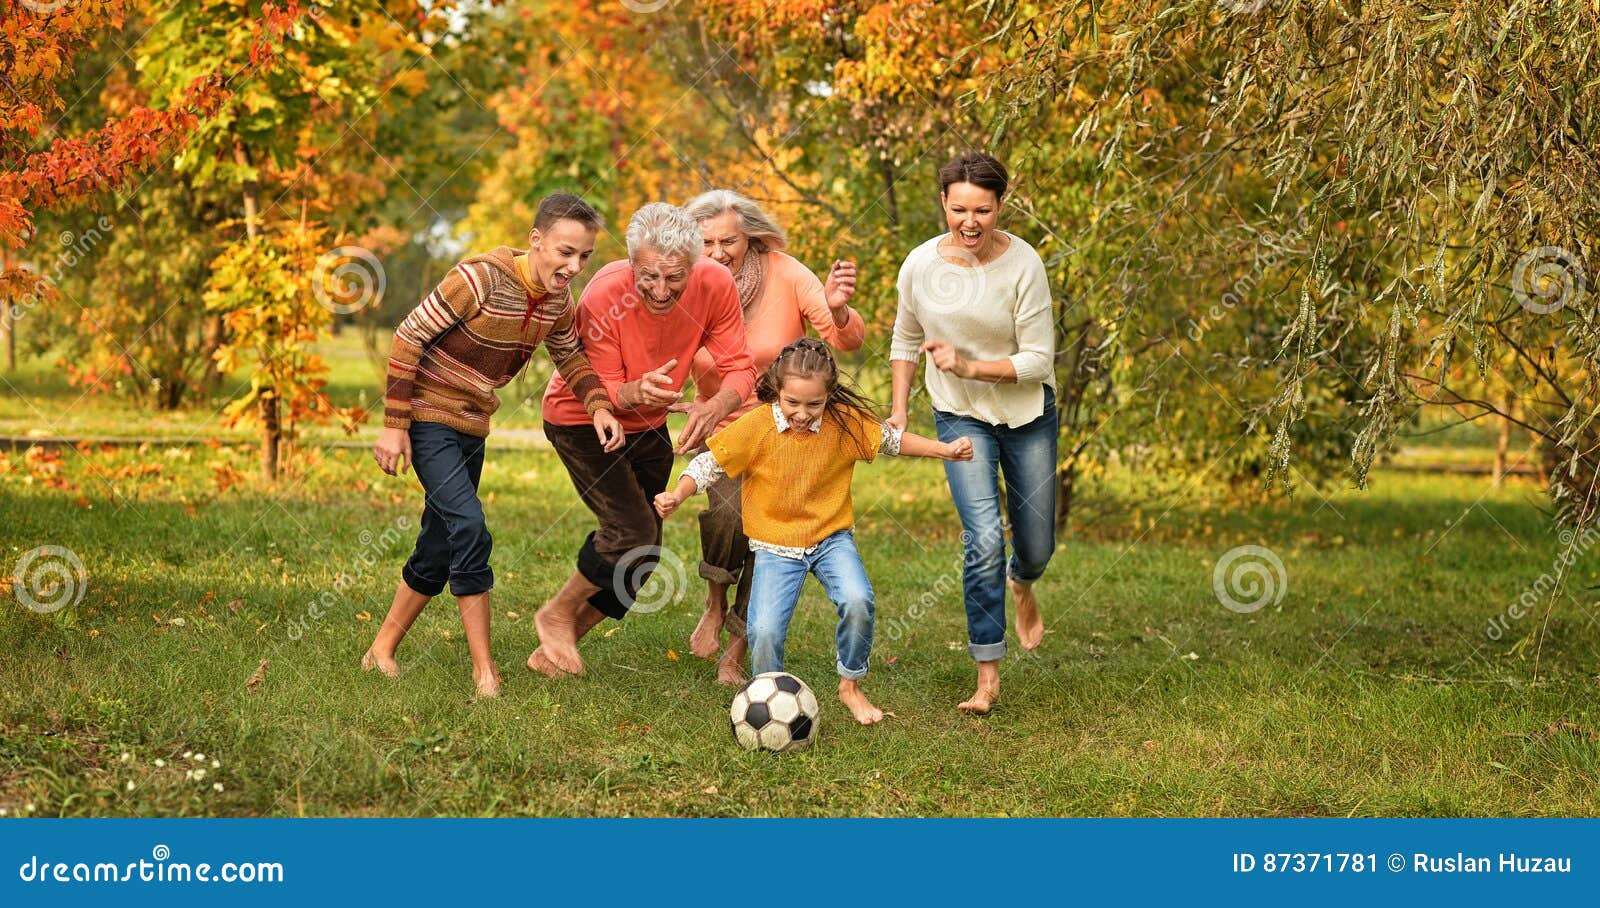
[624, 338]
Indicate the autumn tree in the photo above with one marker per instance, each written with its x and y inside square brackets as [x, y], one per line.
[1436, 153]
[45, 171]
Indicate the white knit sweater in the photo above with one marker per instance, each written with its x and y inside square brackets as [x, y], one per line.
[1002, 310]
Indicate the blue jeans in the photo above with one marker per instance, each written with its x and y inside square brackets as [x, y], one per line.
[454, 543]
[1026, 455]
[775, 589]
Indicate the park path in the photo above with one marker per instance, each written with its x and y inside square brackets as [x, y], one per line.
[502, 439]
[522, 439]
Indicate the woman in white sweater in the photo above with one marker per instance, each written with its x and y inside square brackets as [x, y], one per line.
[977, 301]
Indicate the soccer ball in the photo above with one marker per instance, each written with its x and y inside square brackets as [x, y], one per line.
[776, 712]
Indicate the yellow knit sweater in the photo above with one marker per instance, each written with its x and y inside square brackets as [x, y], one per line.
[796, 483]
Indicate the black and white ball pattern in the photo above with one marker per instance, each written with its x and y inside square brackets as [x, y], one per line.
[776, 712]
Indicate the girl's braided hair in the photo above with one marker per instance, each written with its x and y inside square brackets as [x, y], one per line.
[809, 357]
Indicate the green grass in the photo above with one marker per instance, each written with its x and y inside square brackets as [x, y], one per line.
[1369, 689]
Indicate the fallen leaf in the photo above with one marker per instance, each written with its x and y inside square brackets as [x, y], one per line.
[1150, 745]
[612, 631]
[710, 789]
[235, 605]
[513, 615]
[259, 676]
[891, 660]
[363, 615]
[178, 621]
[672, 654]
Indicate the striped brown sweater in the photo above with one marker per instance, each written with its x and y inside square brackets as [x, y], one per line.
[473, 334]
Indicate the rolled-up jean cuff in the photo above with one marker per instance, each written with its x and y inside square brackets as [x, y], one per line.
[429, 588]
[471, 584]
[715, 574]
[987, 652]
[1011, 574]
[849, 675]
[603, 574]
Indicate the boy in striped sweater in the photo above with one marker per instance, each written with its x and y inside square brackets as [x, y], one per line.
[472, 335]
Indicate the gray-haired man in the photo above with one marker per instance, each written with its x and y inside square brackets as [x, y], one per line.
[641, 321]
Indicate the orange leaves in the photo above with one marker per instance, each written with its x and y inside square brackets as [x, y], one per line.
[225, 476]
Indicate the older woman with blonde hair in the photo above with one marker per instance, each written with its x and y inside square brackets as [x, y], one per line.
[779, 297]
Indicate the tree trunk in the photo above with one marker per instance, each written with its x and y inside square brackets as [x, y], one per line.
[1073, 384]
[891, 205]
[1502, 444]
[8, 321]
[271, 434]
[1065, 476]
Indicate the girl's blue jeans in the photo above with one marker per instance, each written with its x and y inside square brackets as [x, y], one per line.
[775, 588]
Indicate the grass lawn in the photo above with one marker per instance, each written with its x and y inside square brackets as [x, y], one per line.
[1369, 688]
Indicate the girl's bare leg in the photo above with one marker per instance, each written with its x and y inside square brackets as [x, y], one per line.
[851, 696]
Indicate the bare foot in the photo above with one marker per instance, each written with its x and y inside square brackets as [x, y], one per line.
[851, 696]
[981, 702]
[488, 684]
[384, 664]
[707, 636]
[988, 691]
[558, 637]
[541, 663]
[1030, 626]
[730, 669]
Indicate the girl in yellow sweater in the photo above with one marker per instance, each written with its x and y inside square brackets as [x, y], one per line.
[797, 456]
